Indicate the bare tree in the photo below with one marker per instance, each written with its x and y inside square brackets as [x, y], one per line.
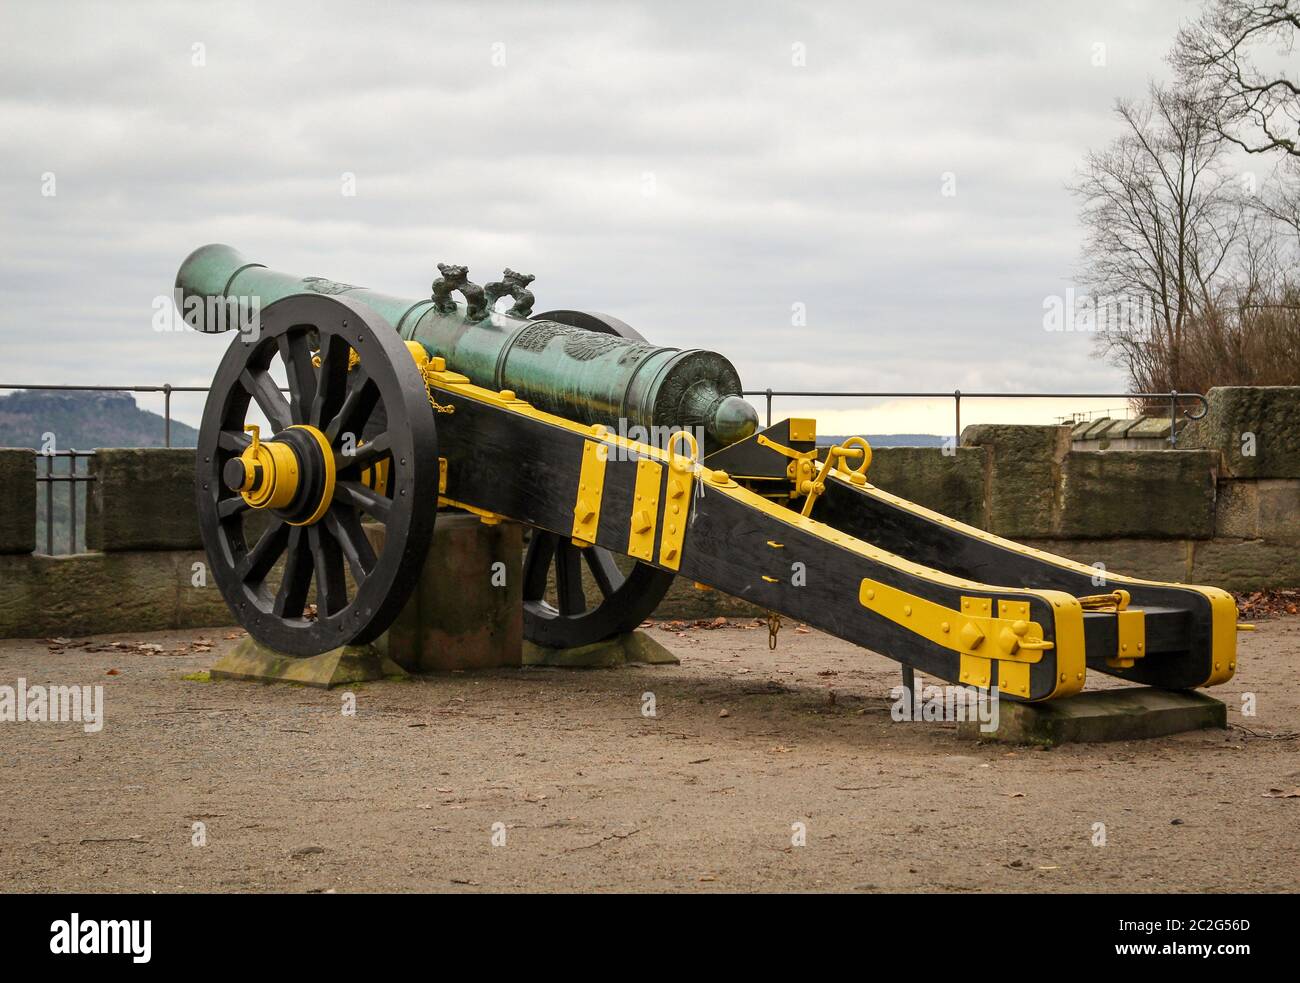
[1256, 108]
[1160, 222]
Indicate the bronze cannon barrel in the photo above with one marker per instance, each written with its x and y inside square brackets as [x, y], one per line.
[570, 371]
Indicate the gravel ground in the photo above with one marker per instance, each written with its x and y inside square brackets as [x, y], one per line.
[586, 793]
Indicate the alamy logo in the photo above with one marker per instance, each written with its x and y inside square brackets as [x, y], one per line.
[950, 703]
[53, 704]
[102, 936]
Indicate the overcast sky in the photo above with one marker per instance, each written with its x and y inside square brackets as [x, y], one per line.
[693, 168]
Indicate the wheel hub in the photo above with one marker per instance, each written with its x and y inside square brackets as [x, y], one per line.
[292, 474]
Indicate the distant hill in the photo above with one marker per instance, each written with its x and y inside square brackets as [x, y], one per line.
[84, 420]
[888, 439]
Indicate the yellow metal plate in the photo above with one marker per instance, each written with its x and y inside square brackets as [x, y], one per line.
[803, 430]
[972, 631]
[1013, 677]
[1131, 631]
[591, 486]
[645, 510]
[677, 506]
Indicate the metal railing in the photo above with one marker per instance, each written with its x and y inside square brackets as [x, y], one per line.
[76, 480]
[956, 395]
[166, 389]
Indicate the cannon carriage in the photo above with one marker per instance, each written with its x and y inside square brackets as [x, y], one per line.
[397, 407]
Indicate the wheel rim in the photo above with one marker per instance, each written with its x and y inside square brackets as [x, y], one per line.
[373, 412]
[624, 601]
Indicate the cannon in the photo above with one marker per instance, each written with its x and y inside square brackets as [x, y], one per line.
[394, 408]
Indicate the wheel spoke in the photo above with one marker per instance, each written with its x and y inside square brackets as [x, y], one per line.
[367, 453]
[231, 506]
[331, 585]
[357, 495]
[261, 558]
[363, 394]
[295, 353]
[603, 569]
[268, 397]
[345, 525]
[537, 564]
[332, 382]
[291, 598]
[568, 580]
[229, 440]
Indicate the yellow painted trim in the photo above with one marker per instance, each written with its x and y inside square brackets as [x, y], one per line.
[591, 486]
[972, 630]
[803, 429]
[677, 506]
[327, 493]
[1131, 637]
[486, 517]
[1223, 635]
[645, 510]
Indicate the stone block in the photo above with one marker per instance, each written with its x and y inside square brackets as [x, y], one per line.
[1097, 428]
[94, 593]
[634, 647]
[465, 612]
[1236, 509]
[1149, 559]
[1130, 714]
[18, 495]
[1279, 509]
[1255, 428]
[1149, 428]
[1023, 472]
[142, 499]
[1152, 494]
[951, 484]
[251, 660]
[1247, 564]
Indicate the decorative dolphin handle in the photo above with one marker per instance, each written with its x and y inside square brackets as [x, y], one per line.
[456, 278]
[514, 285]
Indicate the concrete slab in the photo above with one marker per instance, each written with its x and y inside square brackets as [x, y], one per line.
[635, 647]
[1103, 715]
[251, 660]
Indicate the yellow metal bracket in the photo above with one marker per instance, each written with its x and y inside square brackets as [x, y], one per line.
[677, 502]
[1130, 626]
[645, 510]
[591, 486]
[1010, 639]
[835, 457]
[1131, 630]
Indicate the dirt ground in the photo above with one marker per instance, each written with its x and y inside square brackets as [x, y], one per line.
[592, 795]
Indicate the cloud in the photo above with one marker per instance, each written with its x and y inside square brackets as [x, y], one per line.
[667, 163]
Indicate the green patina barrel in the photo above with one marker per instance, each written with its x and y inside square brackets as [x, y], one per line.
[575, 373]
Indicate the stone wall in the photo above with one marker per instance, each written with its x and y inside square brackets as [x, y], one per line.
[1223, 509]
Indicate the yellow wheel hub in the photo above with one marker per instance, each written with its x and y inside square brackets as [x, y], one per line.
[268, 474]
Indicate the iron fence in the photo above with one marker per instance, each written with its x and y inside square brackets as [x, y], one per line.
[1174, 398]
[77, 480]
